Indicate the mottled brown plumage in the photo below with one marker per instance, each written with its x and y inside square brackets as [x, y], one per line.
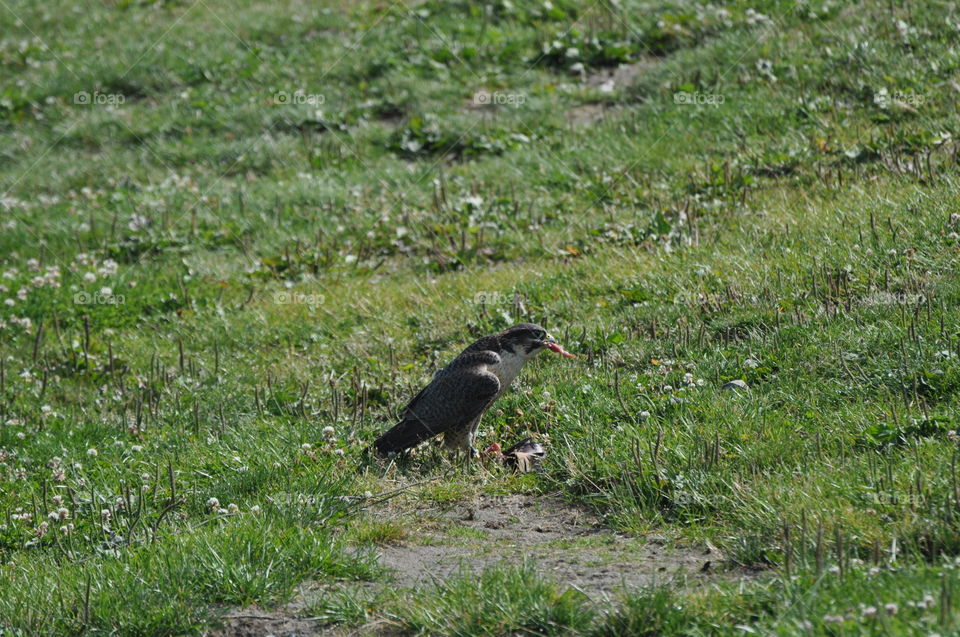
[455, 400]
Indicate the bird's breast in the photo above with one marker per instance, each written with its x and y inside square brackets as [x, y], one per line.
[507, 369]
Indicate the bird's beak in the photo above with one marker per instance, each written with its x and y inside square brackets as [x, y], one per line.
[551, 344]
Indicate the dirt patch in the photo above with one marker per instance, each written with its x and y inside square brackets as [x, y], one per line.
[587, 114]
[546, 534]
[256, 622]
[608, 81]
[557, 540]
[619, 77]
[289, 621]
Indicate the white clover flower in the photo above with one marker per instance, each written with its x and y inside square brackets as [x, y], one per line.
[755, 17]
[92, 452]
[306, 446]
[644, 414]
[90, 277]
[233, 508]
[255, 509]
[136, 448]
[138, 222]
[870, 612]
[339, 452]
[213, 503]
[328, 431]
[105, 515]
[891, 608]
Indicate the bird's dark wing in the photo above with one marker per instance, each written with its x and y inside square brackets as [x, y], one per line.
[455, 397]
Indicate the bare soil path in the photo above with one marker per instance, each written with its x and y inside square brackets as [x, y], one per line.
[556, 539]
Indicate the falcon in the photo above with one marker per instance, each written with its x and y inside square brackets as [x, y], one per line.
[455, 400]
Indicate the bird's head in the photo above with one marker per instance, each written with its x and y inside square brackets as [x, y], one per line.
[529, 339]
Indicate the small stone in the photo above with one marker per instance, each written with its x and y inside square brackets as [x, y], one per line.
[736, 385]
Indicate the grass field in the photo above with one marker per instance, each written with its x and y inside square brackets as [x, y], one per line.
[236, 237]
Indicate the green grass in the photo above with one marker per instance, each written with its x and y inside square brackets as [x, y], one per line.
[226, 227]
[514, 600]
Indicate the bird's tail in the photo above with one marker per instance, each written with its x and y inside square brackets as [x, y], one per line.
[405, 434]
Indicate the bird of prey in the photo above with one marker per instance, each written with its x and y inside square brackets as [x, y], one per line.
[460, 393]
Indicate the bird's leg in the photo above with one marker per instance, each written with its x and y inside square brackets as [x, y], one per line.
[469, 451]
[472, 435]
